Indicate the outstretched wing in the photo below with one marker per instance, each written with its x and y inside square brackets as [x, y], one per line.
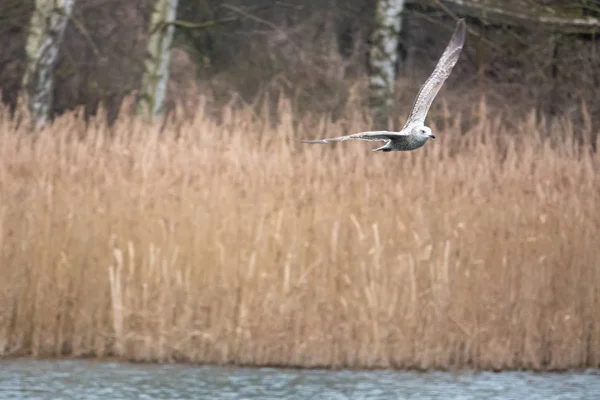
[371, 135]
[441, 72]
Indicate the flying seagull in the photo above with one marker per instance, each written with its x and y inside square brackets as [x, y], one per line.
[414, 134]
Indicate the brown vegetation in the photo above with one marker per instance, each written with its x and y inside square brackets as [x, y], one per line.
[231, 243]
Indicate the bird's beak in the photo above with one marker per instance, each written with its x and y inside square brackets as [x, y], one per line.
[432, 136]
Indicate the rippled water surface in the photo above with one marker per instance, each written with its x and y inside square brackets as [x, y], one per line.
[30, 379]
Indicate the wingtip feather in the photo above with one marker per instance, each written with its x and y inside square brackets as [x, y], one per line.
[460, 32]
[314, 141]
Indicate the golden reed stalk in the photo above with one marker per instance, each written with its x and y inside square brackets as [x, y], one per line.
[227, 242]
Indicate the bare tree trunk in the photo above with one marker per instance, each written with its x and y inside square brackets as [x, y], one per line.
[156, 75]
[383, 58]
[46, 30]
[553, 110]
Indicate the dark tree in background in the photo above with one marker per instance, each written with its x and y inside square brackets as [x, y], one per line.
[158, 57]
[519, 54]
[44, 37]
[383, 57]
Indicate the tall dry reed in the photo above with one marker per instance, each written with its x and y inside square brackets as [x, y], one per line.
[230, 243]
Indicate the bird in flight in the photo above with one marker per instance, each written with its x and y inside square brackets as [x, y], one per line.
[414, 134]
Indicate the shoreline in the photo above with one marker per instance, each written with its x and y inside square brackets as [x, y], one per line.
[458, 370]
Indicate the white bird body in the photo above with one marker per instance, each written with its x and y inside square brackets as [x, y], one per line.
[415, 134]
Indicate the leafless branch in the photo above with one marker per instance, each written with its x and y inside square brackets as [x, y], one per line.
[491, 11]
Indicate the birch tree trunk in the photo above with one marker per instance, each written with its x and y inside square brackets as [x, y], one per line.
[46, 30]
[156, 74]
[383, 58]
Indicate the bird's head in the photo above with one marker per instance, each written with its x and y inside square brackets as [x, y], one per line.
[423, 132]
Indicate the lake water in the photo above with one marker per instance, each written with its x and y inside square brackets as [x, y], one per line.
[82, 380]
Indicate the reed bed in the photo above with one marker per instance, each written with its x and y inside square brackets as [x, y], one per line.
[230, 242]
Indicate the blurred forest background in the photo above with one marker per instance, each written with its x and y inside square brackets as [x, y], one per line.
[520, 54]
